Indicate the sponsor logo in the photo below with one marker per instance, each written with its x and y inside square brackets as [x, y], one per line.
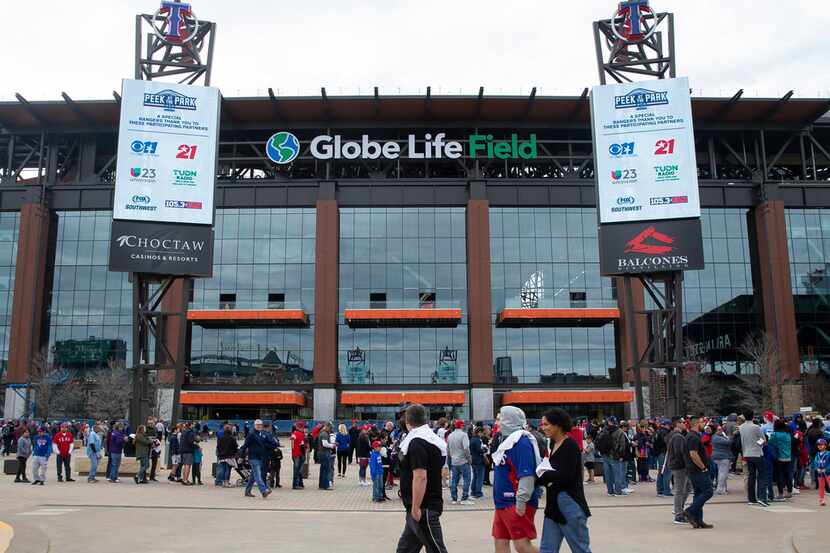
[624, 176]
[186, 151]
[669, 200]
[169, 100]
[180, 204]
[144, 148]
[666, 173]
[641, 98]
[140, 202]
[629, 21]
[160, 244]
[664, 147]
[626, 149]
[660, 243]
[626, 204]
[282, 148]
[184, 177]
[142, 174]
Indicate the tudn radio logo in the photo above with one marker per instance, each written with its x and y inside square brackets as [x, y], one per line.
[282, 148]
[641, 98]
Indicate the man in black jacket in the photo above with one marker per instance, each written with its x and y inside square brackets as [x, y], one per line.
[659, 449]
[676, 463]
[186, 451]
[258, 445]
[354, 433]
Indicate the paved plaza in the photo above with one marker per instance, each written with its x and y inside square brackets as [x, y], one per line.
[169, 518]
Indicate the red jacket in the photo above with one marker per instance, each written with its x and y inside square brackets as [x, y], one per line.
[64, 441]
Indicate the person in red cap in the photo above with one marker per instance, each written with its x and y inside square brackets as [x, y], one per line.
[298, 450]
[376, 472]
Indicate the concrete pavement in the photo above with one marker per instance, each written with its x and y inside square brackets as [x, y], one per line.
[170, 518]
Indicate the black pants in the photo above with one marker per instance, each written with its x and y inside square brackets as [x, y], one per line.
[425, 533]
[342, 462]
[351, 454]
[273, 479]
[63, 462]
[154, 463]
[196, 473]
[756, 485]
[21, 469]
[782, 474]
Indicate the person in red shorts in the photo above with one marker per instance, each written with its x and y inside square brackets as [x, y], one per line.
[514, 484]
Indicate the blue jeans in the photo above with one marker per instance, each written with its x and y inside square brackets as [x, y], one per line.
[223, 473]
[297, 471]
[377, 487]
[113, 466]
[325, 469]
[478, 480]
[702, 486]
[575, 531]
[256, 476]
[621, 474]
[143, 464]
[663, 477]
[460, 472]
[609, 475]
[93, 468]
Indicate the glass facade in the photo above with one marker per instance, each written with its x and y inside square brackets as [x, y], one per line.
[262, 258]
[403, 257]
[808, 232]
[9, 225]
[548, 257]
[90, 308]
[719, 305]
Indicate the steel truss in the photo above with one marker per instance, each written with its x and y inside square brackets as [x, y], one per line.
[189, 62]
[627, 61]
[664, 335]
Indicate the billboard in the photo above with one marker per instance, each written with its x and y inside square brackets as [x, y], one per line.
[167, 142]
[161, 248]
[644, 151]
[650, 247]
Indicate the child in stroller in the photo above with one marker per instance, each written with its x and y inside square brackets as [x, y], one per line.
[243, 469]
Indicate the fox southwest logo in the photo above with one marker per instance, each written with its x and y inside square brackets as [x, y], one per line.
[169, 100]
[641, 98]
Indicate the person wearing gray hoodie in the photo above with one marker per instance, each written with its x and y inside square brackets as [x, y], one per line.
[24, 451]
[458, 446]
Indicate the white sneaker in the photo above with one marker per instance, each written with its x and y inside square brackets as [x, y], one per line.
[467, 502]
[627, 491]
[454, 502]
[796, 491]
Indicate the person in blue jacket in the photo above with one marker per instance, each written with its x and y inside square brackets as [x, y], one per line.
[41, 451]
[258, 445]
[344, 442]
[376, 472]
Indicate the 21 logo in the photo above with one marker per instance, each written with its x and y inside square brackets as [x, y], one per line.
[664, 147]
[186, 152]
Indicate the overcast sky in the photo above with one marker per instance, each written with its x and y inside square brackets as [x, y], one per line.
[85, 47]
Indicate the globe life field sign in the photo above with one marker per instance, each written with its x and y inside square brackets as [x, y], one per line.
[644, 151]
[167, 142]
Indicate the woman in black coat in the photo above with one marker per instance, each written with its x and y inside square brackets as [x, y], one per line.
[566, 512]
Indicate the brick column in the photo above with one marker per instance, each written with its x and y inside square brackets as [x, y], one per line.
[479, 304]
[177, 339]
[327, 255]
[29, 336]
[771, 279]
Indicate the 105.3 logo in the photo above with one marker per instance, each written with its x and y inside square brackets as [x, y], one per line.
[186, 151]
[664, 147]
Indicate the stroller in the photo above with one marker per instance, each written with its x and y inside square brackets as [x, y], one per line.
[244, 470]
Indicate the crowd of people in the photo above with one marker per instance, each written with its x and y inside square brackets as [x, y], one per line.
[684, 457]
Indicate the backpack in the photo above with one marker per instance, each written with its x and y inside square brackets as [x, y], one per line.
[605, 443]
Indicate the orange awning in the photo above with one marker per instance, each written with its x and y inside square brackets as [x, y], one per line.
[396, 398]
[568, 396]
[557, 317]
[242, 398]
[374, 318]
[241, 318]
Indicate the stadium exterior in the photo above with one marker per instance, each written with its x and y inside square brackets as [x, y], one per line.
[342, 287]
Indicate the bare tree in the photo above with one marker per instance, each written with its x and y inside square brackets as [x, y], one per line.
[110, 391]
[54, 391]
[764, 354]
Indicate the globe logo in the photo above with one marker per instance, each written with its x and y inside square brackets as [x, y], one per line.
[283, 147]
